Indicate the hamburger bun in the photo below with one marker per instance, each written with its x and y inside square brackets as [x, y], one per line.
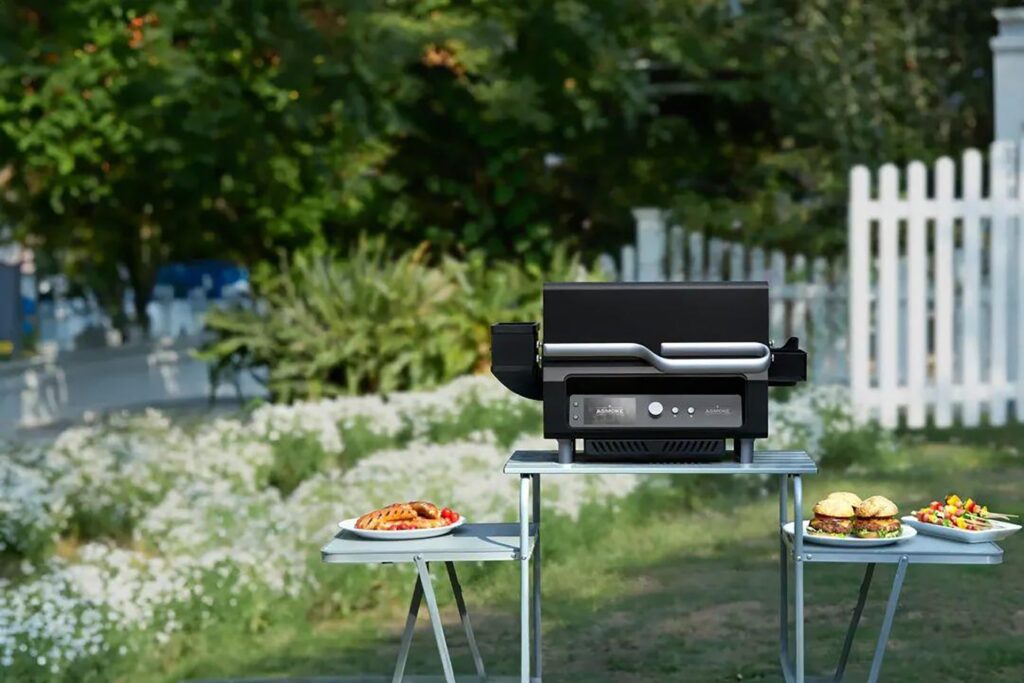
[877, 506]
[851, 498]
[834, 507]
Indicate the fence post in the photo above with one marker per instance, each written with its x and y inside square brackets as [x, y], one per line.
[676, 238]
[917, 293]
[777, 283]
[628, 263]
[606, 265]
[798, 287]
[696, 254]
[716, 254]
[859, 245]
[650, 244]
[1001, 163]
[971, 347]
[944, 291]
[757, 264]
[737, 262]
[1018, 285]
[1008, 73]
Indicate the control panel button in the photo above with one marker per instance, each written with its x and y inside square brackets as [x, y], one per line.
[675, 410]
[690, 410]
[655, 408]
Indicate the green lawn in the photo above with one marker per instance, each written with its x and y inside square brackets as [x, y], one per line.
[683, 581]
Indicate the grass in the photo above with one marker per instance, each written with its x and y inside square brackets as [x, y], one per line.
[680, 580]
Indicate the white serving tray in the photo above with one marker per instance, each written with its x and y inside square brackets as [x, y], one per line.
[406, 535]
[998, 532]
[850, 541]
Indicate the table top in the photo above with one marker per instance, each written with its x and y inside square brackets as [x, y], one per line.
[922, 549]
[764, 462]
[481, 542]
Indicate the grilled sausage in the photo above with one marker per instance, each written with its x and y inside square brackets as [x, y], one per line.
[392, 513]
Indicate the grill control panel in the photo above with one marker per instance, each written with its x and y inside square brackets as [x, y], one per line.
[657, 411]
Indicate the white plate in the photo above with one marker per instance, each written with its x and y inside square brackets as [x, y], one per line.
[999, 531]
[407, 535]
[851, 541]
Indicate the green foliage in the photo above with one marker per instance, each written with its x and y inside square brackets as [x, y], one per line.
[365, 323]
[508, 422]
[376, 322]
[491, 292]
[133, 133]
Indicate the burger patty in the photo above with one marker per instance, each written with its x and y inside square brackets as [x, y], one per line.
[831, 525]
[874, 526]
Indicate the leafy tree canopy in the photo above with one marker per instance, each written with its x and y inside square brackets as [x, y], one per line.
[136, 132]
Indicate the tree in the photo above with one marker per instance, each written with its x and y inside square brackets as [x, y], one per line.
[139, 133]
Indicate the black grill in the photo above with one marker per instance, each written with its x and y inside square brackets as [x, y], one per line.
[657, 372]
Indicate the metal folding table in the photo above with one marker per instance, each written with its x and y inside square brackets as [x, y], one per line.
[470, 542]
[530, 465]
[522, 542]
[919, 550]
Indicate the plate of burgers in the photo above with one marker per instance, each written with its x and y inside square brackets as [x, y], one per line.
[843, 519]
[404, 521]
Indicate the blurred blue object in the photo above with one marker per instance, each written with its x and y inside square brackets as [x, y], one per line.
[28, 312]
[218, 278]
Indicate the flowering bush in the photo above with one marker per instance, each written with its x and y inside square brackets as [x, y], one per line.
[128, 531]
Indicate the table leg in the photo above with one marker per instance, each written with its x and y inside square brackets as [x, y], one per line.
[410, 626]
[536, 580]
[865, 586]
[478, 661]
[524, 578]
[798, 575]
[890, 613]
[435, 619]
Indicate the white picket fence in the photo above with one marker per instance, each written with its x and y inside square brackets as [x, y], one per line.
[936, 310]
[808, 296]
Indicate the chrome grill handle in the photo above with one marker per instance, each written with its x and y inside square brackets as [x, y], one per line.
[698, 358]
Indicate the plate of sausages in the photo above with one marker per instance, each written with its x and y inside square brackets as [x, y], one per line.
[404, 521]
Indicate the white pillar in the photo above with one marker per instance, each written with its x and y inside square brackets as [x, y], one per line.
[650, 244]
[1008, 73]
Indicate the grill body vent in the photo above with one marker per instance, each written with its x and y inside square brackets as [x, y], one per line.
[653, 450]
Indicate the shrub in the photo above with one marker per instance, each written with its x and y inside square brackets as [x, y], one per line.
[375, 321]
[366, 323]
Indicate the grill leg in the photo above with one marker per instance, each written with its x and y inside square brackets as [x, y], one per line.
[410, 625]
[435, 619]
[478, 661]
[566, 450]
[890, 613]
[745, 450]
[865, 586]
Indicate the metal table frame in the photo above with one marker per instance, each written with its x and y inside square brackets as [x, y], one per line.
[530, 465]
[471, 542]
[920, 550]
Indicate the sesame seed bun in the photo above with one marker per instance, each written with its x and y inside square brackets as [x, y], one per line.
[834, 507]
[877, 506]
[851, 498]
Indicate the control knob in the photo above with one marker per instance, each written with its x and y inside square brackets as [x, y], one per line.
[655, 408]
